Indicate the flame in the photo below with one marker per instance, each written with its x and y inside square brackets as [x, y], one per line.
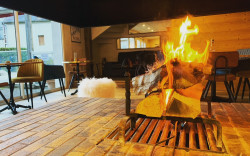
[168, 93]
[184, 52]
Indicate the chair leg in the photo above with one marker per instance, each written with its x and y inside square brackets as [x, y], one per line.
[63, 87]
[238, 88]
[244, 86]
[213, 90]
[248, 83]
[60, 85]
[42, 91]
[71, 82]
[31, 95]
[205, 92]
[231, 83]
[229, 91]
[27, 93]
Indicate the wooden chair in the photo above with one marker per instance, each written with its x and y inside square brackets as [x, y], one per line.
[243, 75]
[74, 74]
[223, 63]
[29, 73]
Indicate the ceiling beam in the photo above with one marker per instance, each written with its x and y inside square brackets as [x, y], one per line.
[88, 13]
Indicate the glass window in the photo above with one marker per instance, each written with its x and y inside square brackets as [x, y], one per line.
[38, 38]
[124, 43]
[41, 40]
[138, 42]
[8, 51]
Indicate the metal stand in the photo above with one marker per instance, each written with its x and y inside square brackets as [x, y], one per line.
[133, 116]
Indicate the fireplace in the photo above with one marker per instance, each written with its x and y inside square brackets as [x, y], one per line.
[170, 113]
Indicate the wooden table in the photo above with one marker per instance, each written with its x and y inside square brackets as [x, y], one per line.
[79, 126]
[11, 104]
[77, 63]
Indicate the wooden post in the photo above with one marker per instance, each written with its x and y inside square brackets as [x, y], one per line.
[127, 93]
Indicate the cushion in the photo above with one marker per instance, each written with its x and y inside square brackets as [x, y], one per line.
[93, 87]
[27, 79]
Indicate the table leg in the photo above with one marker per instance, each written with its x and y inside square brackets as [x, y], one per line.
[12, 104]
[77, 77]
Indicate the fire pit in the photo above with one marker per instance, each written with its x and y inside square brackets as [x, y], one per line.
[173, 90]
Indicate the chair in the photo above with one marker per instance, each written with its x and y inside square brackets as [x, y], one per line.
[223, 63]
[50, 74]
[243, 72]
[241, 75]
[29, 73]
[74, 74]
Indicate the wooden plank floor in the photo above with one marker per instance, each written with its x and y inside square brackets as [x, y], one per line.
[79, 126]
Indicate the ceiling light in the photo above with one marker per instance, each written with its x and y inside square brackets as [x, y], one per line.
[148, 27]
[143, 25]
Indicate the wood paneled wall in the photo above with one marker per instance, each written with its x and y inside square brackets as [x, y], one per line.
[230, 32]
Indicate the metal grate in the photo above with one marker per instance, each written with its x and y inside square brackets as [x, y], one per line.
[194, 136]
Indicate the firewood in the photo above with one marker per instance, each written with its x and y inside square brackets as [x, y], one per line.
[185, 74]
[182, 106]
[144, 83]
[150, 106]
[181, 103]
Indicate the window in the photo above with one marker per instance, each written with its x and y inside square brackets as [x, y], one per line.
[138, 42]
[41, 40]
[32, 32]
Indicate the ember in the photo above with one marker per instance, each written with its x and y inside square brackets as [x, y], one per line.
[177, 82]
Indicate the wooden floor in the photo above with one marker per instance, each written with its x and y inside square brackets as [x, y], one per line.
[79, 126]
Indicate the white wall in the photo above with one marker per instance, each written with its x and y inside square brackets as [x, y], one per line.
[38, 28]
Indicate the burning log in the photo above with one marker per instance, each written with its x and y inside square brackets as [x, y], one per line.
[181, 103]
[177, 82]
[185, 74]
[146, 82]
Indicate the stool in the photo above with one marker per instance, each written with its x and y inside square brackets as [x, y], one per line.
[94, 87]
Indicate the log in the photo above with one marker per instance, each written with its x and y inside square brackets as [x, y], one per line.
[143, 83]
[185, 74]
[151, 106]
[178, 105]
[182, 106]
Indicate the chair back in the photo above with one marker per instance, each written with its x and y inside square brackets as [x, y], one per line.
[223, 59]
[223, 62]
[32, 69]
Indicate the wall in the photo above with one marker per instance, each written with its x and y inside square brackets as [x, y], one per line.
[105, 46]
[69, 48]
[229, 31]
[38, 28]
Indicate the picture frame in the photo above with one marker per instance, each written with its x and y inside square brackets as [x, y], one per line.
[75, 34]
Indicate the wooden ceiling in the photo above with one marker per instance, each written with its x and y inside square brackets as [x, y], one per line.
[88, 13]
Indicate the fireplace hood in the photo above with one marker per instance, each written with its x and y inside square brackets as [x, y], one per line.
[88, 13]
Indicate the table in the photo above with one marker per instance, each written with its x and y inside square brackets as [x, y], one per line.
[77, 70]
[11, 104]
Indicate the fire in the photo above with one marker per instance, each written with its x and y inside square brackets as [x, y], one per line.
[168, 94]
[184, 52]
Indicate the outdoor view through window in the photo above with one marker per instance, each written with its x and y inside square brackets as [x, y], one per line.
[39, 38]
